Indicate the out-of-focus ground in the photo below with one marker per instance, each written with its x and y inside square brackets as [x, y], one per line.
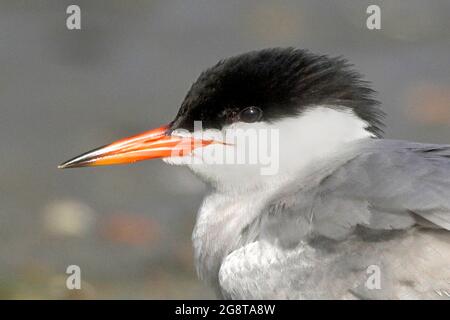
[63, 92]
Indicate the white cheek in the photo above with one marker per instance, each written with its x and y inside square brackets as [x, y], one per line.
[241, 144]
[210, 154]
[225, 143]
[284, 148]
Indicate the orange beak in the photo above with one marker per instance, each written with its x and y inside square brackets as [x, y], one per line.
[156, 143]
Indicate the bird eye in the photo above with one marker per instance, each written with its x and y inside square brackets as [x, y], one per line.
[250, 114]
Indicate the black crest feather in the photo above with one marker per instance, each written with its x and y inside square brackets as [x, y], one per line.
[280, 81]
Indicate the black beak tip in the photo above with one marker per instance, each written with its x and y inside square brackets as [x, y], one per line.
[63, 166]
[83, 160]
[67, 165]
[77, 162]
[70, 165]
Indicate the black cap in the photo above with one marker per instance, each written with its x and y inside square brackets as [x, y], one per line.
[278, 82]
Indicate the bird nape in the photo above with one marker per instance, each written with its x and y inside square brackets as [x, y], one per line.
[306, 197]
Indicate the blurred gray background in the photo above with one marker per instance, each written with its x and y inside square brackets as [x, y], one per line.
[64, 92]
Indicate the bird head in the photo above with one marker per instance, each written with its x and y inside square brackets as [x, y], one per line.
[274, 109]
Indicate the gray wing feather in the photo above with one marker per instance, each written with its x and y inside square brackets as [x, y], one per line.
[381, 187]
[380, 184]
[398, 180]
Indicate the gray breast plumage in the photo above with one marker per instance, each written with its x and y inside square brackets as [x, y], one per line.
[382, 205]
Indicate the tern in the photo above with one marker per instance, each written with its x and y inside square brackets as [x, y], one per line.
[345, 215]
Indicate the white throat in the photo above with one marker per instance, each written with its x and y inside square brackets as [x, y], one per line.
[312, 136]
